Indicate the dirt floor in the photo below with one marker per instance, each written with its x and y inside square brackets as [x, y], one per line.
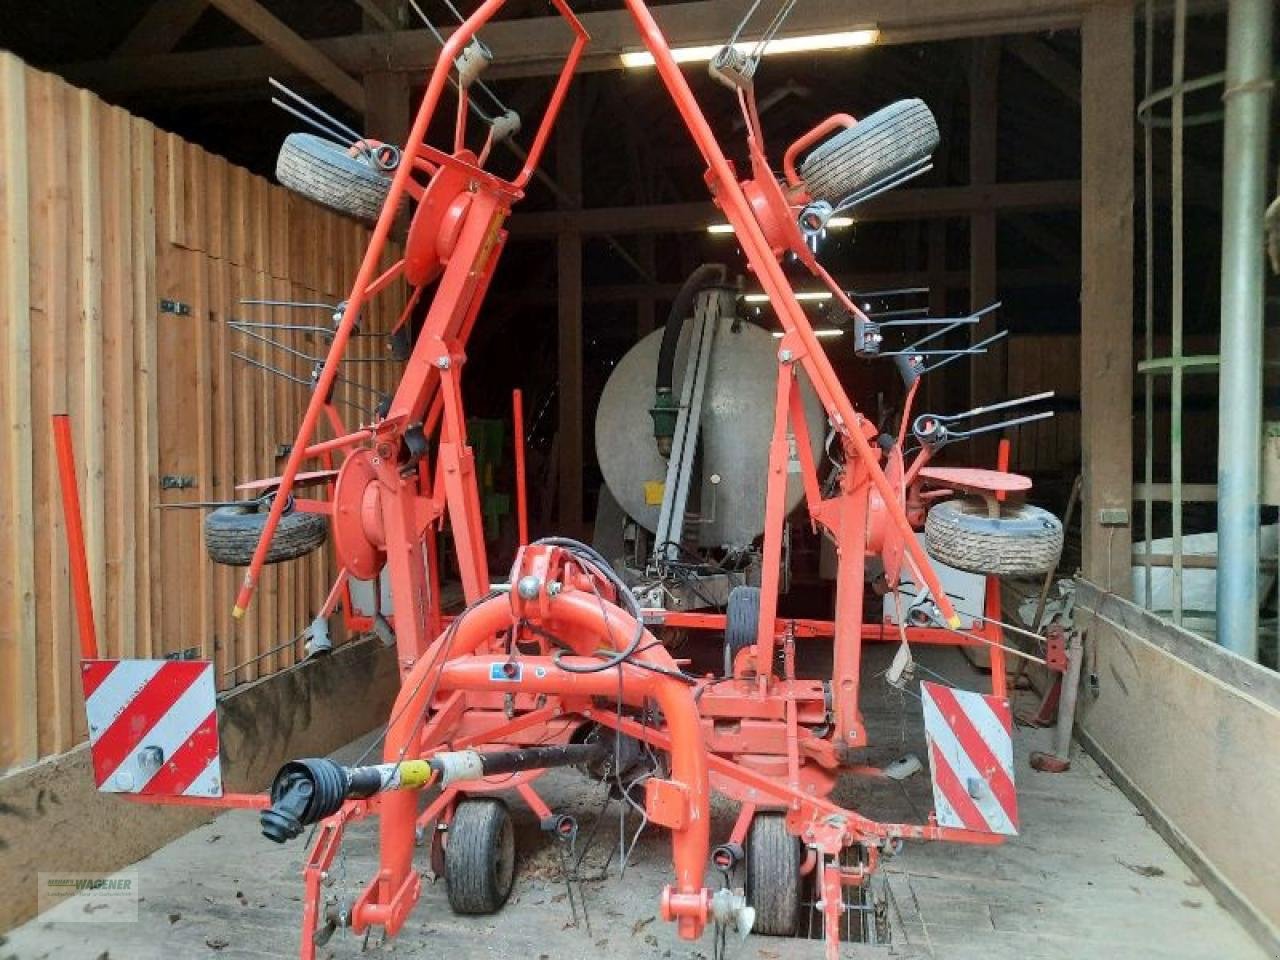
[1087, 877]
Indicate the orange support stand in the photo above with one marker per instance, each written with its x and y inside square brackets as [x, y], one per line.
[522, 494]
[78, 559]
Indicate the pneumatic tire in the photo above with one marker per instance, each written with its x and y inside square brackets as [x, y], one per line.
[1023, 541]
[773, 861]
[231, 533]
[325, 172]
[878, 147]
[479, 856]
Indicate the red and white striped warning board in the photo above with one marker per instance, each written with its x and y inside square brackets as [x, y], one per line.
[153, 726]
[970, 739]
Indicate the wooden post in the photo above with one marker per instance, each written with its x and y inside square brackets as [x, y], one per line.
[18, 660]
[569, 282]
[1106, 301]
[987, 374]
[387, 112]
[388, 109]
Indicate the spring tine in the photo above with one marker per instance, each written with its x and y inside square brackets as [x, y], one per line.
[303, 383]
[471, 104]
[292, 327]
[280, 346]
[967, 351]
[922, 322]
[199, 504]
[270, 369]
[292, 303]
[301, 355]
[954, 325]
[241, 327]
[921, 166]
[328, 132]
[307, 328]
[883, 294]
[454, 10]
[1003, 425]
[902, 312]
[985, 343]
[298, 98]
[751, 12]
[771, 30]
[971, 317]
[1002, 405]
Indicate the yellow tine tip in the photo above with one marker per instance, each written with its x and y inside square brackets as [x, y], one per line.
[237, 612]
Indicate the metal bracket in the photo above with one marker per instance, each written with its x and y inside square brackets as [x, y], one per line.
[171, 481]
[176, 307]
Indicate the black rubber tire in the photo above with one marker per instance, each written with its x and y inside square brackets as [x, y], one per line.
[773, 861]
[742, 618]
[1024, 541]
[878, 146]
[323, 171]
[231, 534]
[479, 856]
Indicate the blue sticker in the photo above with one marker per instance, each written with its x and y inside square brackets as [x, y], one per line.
[506, 671]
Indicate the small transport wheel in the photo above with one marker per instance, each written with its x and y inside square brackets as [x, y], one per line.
[1023, 541]
[773, 859]
[480, 856]
[879, 147]
[325, 172]
[231, 533]
[742, 618]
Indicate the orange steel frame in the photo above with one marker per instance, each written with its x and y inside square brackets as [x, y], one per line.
[492, 676]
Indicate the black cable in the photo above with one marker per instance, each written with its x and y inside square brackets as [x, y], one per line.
[594, 561]
[698, 560]
[707, 275]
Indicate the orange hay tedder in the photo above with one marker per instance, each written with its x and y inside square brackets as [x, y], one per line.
[557, 666]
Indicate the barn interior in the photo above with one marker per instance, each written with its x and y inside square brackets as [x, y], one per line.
[1093, 240]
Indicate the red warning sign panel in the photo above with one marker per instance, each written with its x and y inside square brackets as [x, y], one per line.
[970, 739]
[153, 726]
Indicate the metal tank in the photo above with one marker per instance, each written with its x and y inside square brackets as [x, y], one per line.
[736, 428]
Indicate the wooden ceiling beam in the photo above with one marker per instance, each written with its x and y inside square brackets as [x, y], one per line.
[377, 14]
[1042, 59]
[1010, 279]
[278, 37]
[536, 46]
[924, 203]
[161, 27]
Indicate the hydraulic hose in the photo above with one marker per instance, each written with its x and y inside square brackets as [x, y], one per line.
[707, 275]
[665, 406]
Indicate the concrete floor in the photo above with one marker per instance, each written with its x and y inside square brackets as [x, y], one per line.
[1087, 878]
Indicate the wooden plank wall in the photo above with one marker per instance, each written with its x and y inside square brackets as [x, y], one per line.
[103, 217]
[1040, 362]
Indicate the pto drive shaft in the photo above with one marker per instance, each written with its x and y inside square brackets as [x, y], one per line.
[306, 791]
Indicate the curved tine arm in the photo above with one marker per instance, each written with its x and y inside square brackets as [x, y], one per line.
[368, 268]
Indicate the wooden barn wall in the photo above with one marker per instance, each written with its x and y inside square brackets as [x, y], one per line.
[1040, 362]
[105, 217]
